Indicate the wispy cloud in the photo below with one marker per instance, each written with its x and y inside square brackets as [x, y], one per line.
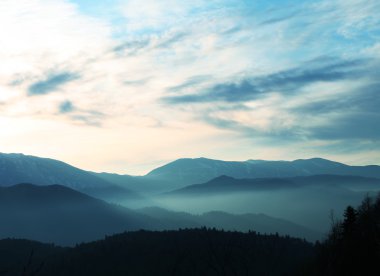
[190, 83]
[66, 107]
[288, 81]
[91, 118]
[51, 83]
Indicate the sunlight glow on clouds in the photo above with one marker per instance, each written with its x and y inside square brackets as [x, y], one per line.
[132, 84]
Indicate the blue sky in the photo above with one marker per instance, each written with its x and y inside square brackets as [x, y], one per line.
[125, 86]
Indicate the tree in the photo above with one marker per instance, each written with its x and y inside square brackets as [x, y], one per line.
[353, 245]
[349, 224]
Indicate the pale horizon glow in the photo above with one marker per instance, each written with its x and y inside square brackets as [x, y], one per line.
[125, 86]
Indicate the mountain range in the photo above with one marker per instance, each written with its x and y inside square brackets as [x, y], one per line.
[188, 171]
[198, 170]
[19, 168]
[201, 190]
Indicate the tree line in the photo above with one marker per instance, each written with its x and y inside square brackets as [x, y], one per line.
[352, 246]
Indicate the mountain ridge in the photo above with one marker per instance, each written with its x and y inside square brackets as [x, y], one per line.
[199, 170]
[20, 168]
[229, 184]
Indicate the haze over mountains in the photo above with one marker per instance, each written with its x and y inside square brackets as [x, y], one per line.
[57, 214]
[186, 192]
[223, 220]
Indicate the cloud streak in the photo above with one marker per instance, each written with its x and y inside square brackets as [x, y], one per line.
[51, 83]
[288, 81]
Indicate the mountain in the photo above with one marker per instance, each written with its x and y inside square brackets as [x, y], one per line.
[191, 171]
[57, 214]
[19, 168]
[223, 220]
[226, 184]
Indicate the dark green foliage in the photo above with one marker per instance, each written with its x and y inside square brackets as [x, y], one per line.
[184, 252]
[353, 245]
[24, 257]
[349, 224]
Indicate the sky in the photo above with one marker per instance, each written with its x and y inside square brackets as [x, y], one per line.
[128, 85]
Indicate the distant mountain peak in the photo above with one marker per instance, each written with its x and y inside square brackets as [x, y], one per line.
[319, 161]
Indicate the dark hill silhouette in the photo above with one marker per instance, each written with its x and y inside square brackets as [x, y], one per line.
[61, 215]
[185, 252]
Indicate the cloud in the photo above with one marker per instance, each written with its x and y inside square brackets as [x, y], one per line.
[132, 47]
[344, 122]
[83, 116]
[51, 83]
[66, 107]
[190, 83]
[149, 44]
[351, 126]
[279, 19]
[93, 120]
[363, 99]
[177, 37]
[288, 81]
[352, 116]
[161, 15]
